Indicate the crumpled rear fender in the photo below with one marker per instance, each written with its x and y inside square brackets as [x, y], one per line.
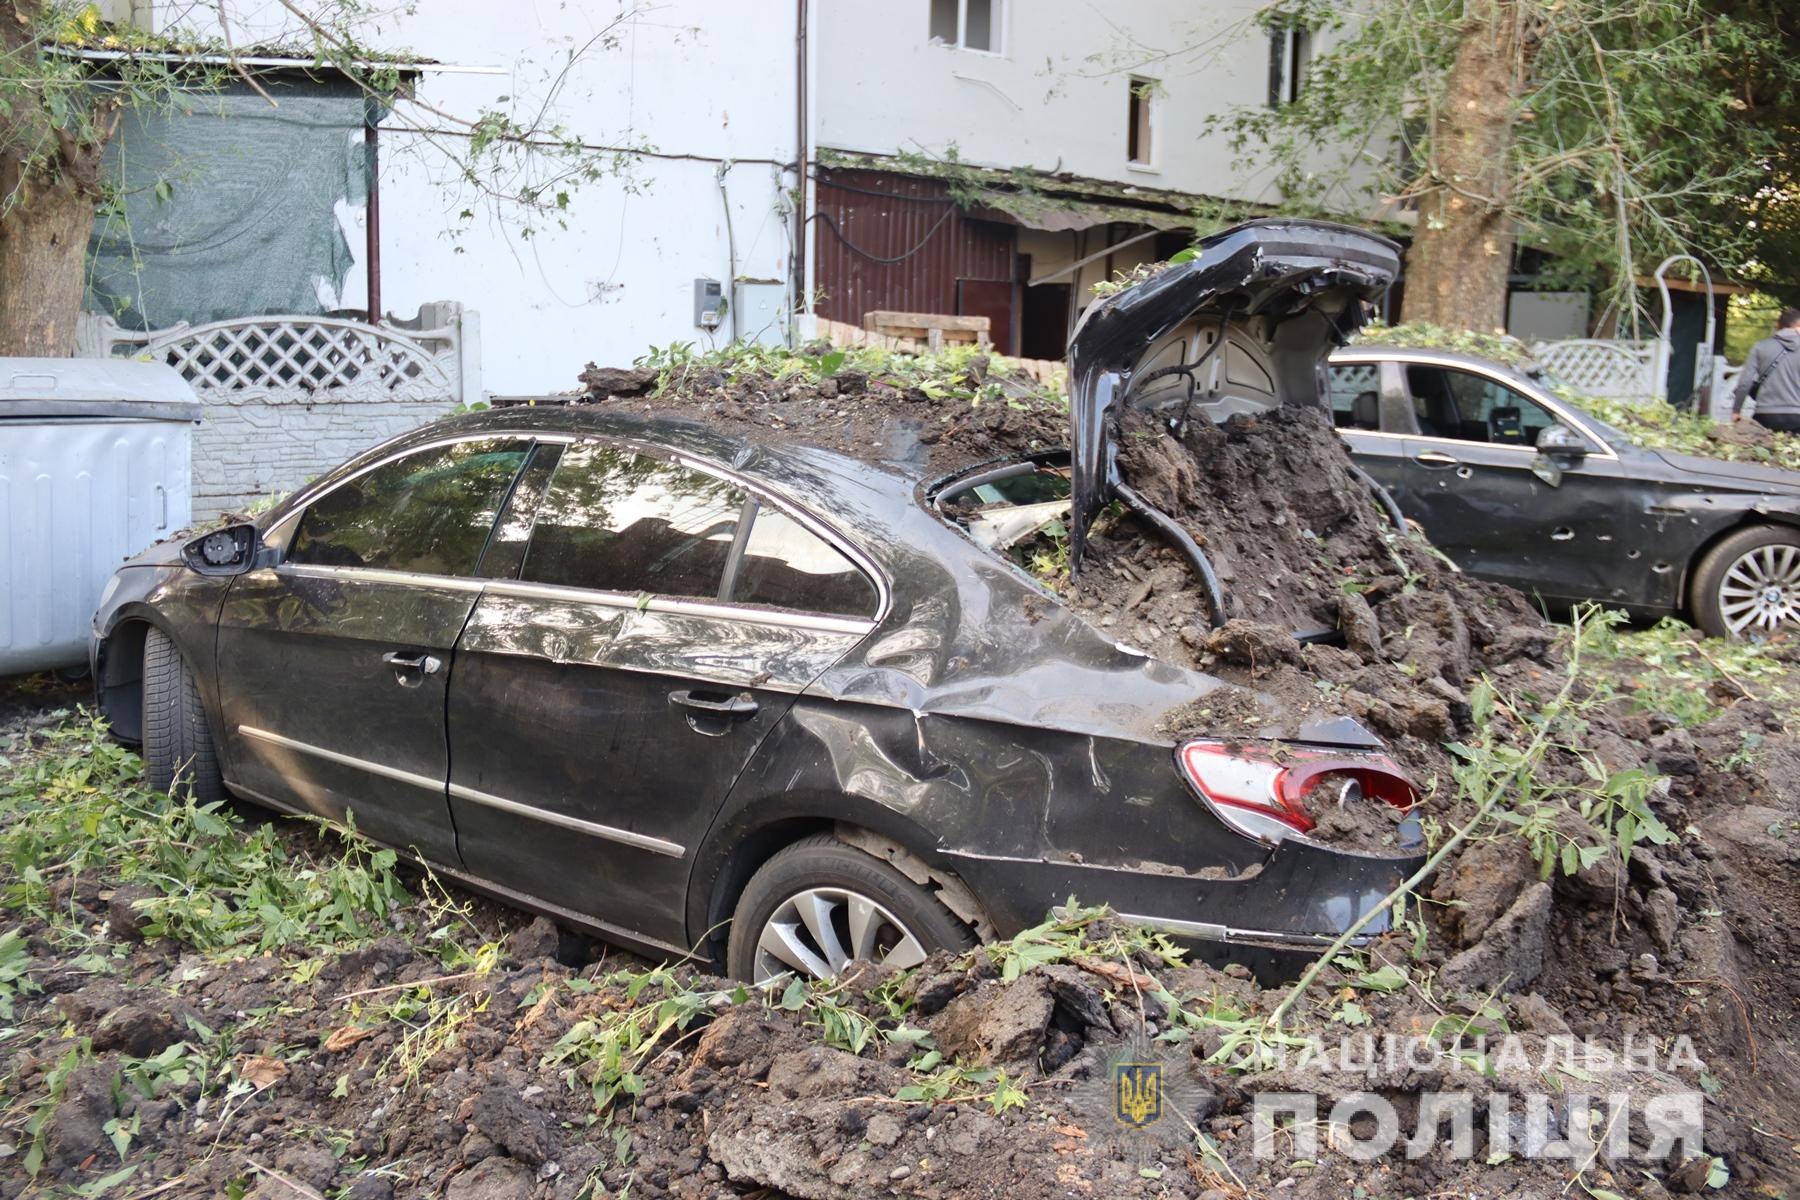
[1026, 818]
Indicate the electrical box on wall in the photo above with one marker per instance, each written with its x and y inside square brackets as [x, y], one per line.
[760, 306]
[709, 303]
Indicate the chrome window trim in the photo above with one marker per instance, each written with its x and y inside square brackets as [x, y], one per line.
[823, 622]
[302, 500]
[624, 837]
[747, 614]
[454, 583]
[362, 764]
[1560, 410]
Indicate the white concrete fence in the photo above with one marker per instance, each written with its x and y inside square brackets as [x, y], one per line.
[1635, 371]
[288, 397]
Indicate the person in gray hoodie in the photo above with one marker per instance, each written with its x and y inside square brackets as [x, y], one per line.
[1771, 378]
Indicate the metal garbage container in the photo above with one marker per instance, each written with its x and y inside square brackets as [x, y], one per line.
[94, 466]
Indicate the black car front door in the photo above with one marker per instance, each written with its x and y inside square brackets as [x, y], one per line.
[334, 665]
[1472, 478]
[662, 623]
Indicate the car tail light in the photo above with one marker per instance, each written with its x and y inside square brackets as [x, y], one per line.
[1270, 790]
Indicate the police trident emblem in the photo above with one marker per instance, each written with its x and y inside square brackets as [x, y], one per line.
[1137, 1093]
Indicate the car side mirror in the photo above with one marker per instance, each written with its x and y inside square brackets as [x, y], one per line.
[1558, 448]
[1560, 441]
[228, 551]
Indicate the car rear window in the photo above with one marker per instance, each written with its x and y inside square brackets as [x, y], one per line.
[1020, 515]
[624, 522]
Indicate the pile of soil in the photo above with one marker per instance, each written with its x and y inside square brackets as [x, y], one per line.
[745, 1097]
[1301, 545]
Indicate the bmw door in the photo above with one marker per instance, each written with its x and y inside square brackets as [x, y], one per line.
[334, 664]
[1364, 398]
[663, 621]
[1475, 481]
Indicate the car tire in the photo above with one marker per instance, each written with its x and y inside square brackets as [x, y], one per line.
[1727, 573]
[822, 876]
[178, 744]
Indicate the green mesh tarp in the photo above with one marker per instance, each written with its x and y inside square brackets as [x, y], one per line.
[227, 208]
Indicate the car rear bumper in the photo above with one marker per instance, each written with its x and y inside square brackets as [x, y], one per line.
[1293, 904]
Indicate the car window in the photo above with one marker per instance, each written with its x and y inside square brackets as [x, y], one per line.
[788, 566]
[1020, 513]
[625, 522]
[1355, 390]
[428, 512]
[1473, 408]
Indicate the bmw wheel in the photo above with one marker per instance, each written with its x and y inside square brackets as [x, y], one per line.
[1749, 584]
[820, 904]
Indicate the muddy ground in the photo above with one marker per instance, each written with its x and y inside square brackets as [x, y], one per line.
[465, 1052]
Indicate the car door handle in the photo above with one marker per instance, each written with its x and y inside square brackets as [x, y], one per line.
[1434, 458]
[741, 705]
[425, 664]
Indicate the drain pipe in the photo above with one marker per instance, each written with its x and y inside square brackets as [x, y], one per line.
[730, 251]
[802, 151]
[372, 209]
[1382, 496]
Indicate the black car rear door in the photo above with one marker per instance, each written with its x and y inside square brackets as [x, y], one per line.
[1364, 399]
[663, 620]
[1469, 480]
[333, 665]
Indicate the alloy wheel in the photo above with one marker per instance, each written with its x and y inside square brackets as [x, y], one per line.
[1761, 590]
[815, 932]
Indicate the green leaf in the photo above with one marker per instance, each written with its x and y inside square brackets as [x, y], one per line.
[1719, 1174]
[1389, 978]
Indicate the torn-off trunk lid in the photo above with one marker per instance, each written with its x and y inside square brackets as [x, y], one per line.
[1244, 327]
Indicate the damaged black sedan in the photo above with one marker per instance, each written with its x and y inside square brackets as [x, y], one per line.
[758, 702]
[1518, 485]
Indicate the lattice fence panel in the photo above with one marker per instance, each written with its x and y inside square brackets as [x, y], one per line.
[310, 356]
[305, 357]
[1622, 370]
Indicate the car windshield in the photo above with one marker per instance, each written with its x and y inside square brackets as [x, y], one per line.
[1019, 511]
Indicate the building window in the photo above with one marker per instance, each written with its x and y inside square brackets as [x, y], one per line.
[1139, 126]
[1290, 50]
[971, 24]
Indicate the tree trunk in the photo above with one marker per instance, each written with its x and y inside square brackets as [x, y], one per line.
[46, 200]
[1463, 244]
[43, 264]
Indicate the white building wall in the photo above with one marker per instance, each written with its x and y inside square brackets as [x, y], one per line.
[1056, 95]
[712, 81]
[717, 81]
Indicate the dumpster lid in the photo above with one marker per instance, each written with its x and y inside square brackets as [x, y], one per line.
[93, 388]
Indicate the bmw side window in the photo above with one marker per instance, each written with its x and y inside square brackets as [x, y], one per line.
[1474, 408]
[787, 566]
[1356, 396]
[622, 522]
[428, 513]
